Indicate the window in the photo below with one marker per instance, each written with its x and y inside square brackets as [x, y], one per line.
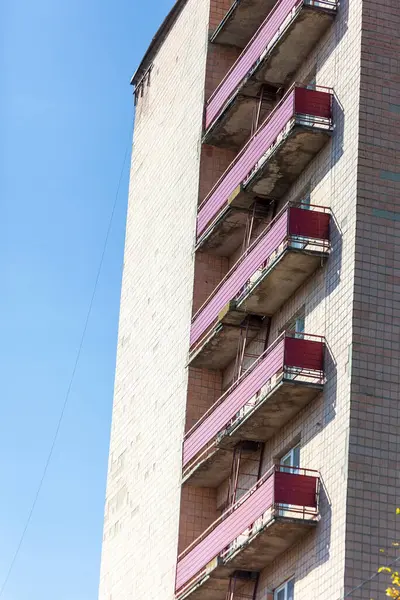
[297, 324]
[303, 202]
[310, 81]
[291, 459]
[305, 199]
[285, 591]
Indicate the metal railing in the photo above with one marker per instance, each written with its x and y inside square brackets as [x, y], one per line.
[246, 496]
[246, 373]
[297, 374]
[205, 443]
[299, 242]
[289, 240]
[269, 117]
[310, 108]
[261, 44]
[275, 509]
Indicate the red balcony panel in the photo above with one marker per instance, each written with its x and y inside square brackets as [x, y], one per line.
[298, 490]
[291, 488]
[228, 405]
[307, 354]
[303, 108]
[313, 102]
[238, 276]
[248, 58]
[313, 224]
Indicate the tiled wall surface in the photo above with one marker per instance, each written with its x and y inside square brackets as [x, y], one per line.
[198, 511]
[143, 490]
[204, 388]
[374, 443]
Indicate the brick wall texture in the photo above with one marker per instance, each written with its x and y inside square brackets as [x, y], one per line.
[350, 432]
[374, 443]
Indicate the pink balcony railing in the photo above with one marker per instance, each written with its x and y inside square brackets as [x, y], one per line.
[266, 36]
[298, 358]
[268, 499]
[315, 105]
[292, 222]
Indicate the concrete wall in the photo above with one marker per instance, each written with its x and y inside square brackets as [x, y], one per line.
[143, 491]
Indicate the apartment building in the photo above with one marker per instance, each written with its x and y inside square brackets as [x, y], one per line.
[254, 443]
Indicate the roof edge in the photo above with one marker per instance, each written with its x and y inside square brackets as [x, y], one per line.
[157, 41]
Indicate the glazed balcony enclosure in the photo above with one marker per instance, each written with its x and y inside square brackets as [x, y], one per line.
[285, 143]
[284, 379]
[278, 511]
[271, 59]
[276, 264]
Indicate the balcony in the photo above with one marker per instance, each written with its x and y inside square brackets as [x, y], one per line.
[271, 58]
[282, 381]
[273, 515]
[276, 264]
[241, 22]
[266, 167]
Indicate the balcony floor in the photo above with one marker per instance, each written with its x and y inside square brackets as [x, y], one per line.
[292, 48]
[209, 587]
[280, 281]
[211, 471]
[241, 22]
[220, 346]
[268, 543]
[286, 161]
[259, 424]
[269, 415]
[259, 551]
[275, 70]
[227, 234]
[232, 128]
[216, 466]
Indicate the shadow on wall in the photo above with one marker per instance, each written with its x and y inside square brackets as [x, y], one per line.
[321, 538]
[330, 389]
[309, 553]
[340, 28]
[334, 264]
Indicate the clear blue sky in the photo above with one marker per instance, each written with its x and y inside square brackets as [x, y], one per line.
[65, 115]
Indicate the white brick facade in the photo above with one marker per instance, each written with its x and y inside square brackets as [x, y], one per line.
[143, 490]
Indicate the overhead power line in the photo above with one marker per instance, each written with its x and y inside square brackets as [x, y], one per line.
[71, 380]
[360, 585]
